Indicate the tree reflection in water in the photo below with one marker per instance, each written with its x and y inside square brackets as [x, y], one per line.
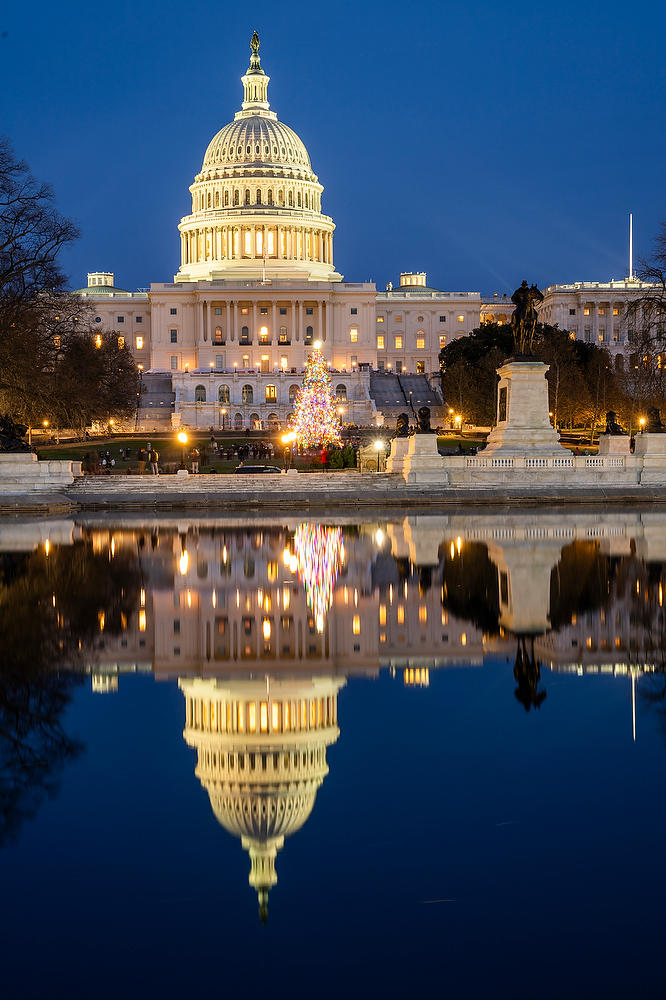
[50, 608]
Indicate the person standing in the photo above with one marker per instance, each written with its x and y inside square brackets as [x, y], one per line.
[194, 458]
[153, 458]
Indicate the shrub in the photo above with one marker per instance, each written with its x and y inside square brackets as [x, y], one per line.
[335, 459]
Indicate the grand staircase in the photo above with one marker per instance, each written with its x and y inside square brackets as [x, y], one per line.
[394, 394]
[156, 403]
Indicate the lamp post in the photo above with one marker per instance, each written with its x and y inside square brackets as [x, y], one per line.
[223, 414]
[642, 424]
[379, 444]
[182, 438]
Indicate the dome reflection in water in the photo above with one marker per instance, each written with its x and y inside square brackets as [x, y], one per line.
[263, 625]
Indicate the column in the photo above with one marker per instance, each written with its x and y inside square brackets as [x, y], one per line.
[209, 329]
[320, 306]
[254, 332]
[301, 328]
[235, 330]
[227, 331]
[274, 327]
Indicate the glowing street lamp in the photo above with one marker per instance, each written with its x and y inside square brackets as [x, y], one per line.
[642, 423]
[182, 438]
[379, 445]
[223, 413]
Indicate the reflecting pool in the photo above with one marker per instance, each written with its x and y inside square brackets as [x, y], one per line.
[333, 757]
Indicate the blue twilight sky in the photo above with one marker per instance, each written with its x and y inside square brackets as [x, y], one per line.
[480, 141]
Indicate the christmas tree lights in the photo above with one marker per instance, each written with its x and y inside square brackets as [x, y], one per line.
[315, 420]
[319, 554]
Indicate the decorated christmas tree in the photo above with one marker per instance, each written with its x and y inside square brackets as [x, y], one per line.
[315, 420]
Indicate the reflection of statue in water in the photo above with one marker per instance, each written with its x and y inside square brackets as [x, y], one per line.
[527, 674]
[612, 426]
[423, 419]
[654, 424]
[402, 425]
[524, 319]
[11, 435]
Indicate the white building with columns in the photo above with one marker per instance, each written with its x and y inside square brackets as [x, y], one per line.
[257, 287]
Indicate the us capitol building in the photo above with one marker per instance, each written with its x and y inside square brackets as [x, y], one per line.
[225, 343]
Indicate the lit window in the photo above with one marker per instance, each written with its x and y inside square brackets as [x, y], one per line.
[380, 319]
[263, 334]
[463, 639]
[121, 343]
[98, 340]
[398, 319]
[461, 319]
[602, 311]
[382, 614]
[420, 343]
[586, 311]
[380, 342]
[423, 614]
[244, 310]
[401, 614]
[398, 343]
[271, 393]
[616, 311]
[353, 335]
[442, 340]
[57, 341]
[356, 625]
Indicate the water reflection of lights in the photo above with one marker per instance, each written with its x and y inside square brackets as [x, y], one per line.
[379, 537]
[318, 554]
[183, 562]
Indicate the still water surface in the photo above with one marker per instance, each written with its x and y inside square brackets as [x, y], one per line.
[324, 758]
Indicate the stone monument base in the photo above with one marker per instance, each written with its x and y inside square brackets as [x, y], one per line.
[614, 444]
[523, 425]
[652, 449]
[21, 472]
[422, 462]
[396, 460]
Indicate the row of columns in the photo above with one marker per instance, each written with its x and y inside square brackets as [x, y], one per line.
[222, 244]
[205, 321]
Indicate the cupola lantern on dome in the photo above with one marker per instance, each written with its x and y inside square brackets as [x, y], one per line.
[256, 203]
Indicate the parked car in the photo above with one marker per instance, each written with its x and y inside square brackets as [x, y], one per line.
[258, 469]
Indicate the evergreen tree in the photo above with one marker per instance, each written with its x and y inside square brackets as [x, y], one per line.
[316, 421]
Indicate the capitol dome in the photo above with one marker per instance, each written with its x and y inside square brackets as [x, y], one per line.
[261, 756]
[256, 202]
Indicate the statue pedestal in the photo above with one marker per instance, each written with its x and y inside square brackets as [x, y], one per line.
[523, 425]
[652, 449]
[20, 472]
[396, 460]
[422, 462]
[614, 444]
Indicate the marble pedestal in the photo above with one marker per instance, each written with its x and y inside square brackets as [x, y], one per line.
[614, 444]
[21, 472]
[523, 426]
[396, 460]
[651, 448]
[422, 463]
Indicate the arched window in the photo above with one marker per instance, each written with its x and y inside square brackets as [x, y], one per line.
[223, 394]
[300, 200]
[258, 197]
[218, 335]
[281, 198]
[257, 148]
[209, 200]
[245, 332]
[247, 196]
[270, 197]
[291, 199]
[247, 394]
[217, 199]
[271, 394]
[226, 199]
[255, 421]
[309, 332]
[200, 394]
[238, 422]
[273, 422]
[341, 391]
[293, 389]
[236, 197]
